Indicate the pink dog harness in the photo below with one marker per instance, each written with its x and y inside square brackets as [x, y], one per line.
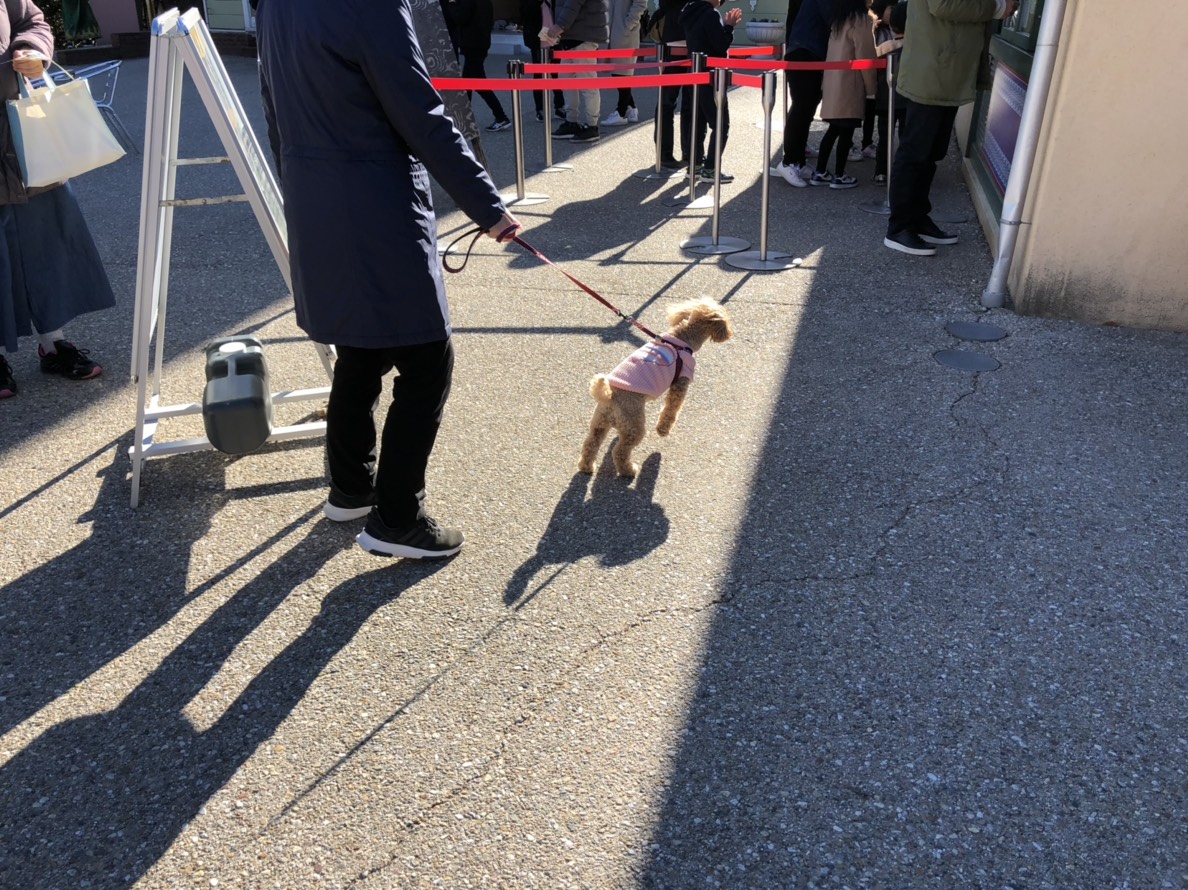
[654, 367]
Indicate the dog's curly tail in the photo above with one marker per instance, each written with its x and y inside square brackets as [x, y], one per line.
[600, 389]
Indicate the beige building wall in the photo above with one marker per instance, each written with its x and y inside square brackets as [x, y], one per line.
[1105, 235]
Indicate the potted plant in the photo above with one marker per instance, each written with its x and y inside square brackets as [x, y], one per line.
[765, 31]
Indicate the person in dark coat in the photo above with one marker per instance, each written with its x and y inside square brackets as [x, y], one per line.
[532, 21]
[357, 129]
[672, 33]
[708, 32]
[475, 20]
[50, 269]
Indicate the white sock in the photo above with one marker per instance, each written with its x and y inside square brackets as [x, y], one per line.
[47, 340]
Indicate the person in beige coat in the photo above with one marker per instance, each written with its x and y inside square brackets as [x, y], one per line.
[624, 34]
[844, 93]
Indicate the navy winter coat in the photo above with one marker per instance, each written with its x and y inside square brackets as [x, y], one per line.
[354, 122]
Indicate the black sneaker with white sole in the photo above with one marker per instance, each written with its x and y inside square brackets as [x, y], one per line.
[586, 134]
[930, 233]
[341, 507]
[424, 539]
[567, 130]
[499, 125]
[908, 242]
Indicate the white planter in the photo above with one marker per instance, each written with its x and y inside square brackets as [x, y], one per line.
[765, 33]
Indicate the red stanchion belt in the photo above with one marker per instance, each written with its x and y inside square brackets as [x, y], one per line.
[738, 52]
[529, 84]
[567, 69]
[775, 65]
[627, 53]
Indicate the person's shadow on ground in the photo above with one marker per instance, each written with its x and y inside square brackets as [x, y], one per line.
[97, 800]
[619, 523]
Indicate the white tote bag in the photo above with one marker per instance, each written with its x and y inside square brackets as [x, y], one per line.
[59, 132]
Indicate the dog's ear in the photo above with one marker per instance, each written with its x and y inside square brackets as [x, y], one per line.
[722, 329]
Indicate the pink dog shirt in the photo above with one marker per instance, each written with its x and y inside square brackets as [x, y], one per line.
[651, 369]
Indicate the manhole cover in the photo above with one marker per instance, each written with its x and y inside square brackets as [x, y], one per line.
[961, 360]
[972, 330]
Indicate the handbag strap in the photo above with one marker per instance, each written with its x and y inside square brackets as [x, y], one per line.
[23, 82]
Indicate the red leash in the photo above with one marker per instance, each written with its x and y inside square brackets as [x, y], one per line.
[509, 235]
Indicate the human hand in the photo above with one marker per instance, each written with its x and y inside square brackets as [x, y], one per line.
[1012, 6]
[555, 32]
[28, 62]
[505, 229]
[733, 17]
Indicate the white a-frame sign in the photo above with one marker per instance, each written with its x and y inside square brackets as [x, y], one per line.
[182, 42]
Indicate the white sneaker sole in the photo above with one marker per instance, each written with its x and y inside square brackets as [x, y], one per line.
[928, 239]
[376, 547]
[344, 514]
[913, 251]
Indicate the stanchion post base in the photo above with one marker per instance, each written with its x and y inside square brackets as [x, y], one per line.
[676, 201]
[878, 208]
[556, 168]
[704, 245]
[751, 261]
[529, 199]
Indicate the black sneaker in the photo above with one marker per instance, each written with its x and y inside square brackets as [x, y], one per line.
[672, 164]
[930, 233]
[567, 130]
[586, 134]
[424, 539]
[8, 387]
[68, 361]
[560, 112]
[539, 115]
[907, 242]
[341, 507]
[499, 125]
[706, 174]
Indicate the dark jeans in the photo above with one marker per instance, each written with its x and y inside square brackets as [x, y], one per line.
[707, 116]
[419, 393]
[666, 111]
[538, 95]
[924, 140]
[884, 136]
[805, 89]
[472, 66]
[841, 134]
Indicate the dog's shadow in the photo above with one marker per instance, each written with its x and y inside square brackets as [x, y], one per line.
[619, 523]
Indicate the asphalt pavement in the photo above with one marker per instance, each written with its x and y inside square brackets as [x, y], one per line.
[863, 620]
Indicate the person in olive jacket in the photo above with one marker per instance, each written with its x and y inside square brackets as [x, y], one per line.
[944, 46]
[357, 128]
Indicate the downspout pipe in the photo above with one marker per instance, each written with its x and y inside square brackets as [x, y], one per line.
[1034, 105]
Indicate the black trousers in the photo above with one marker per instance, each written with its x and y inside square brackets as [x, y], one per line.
[707, 117]
[924, 140]
[805, 89]
[419, 393]
[666, 112]
[538, 95]
[472, 66]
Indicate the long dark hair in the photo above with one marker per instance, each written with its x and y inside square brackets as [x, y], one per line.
[839, 12]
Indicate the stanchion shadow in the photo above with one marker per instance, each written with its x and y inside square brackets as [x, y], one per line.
[80, 610]
[618, 523]
[97, 800]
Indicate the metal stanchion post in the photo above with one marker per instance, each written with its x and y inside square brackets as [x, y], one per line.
[883, 208]
[691, 199]
[760, 260]
[515, 70]
[658, 171]
[714, 245]
[546, 58]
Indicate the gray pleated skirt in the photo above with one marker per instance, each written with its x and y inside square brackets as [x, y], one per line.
[50, 270]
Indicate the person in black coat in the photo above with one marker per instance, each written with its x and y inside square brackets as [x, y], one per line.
[357, 128]
[708, 32]
[671, 32]
[475, 19]
[531, 21]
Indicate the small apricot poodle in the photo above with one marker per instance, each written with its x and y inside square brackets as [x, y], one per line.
[660, 367]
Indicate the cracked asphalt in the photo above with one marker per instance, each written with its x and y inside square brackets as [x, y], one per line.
[862, 620]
